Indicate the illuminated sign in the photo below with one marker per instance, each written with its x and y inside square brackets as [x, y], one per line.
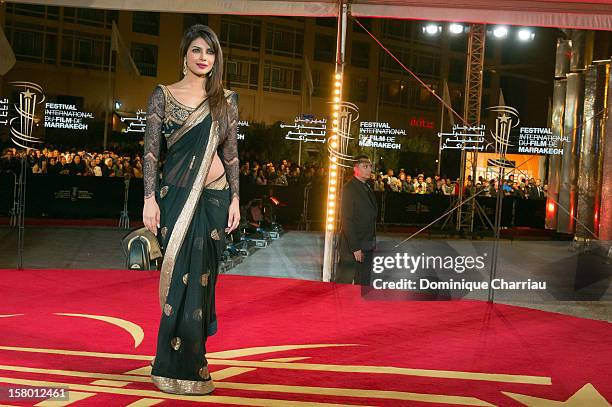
[307, 129]
[65, 116]
[425, 124]
[136, 124]
[379, 135]
[241, 124]
[4, 106]
[22, 124]
[539, 140]
[464, 138]
[56, 115]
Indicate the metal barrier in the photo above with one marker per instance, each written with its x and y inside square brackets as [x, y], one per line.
[82, 197]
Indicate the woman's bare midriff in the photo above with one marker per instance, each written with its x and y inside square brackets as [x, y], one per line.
[216, 169]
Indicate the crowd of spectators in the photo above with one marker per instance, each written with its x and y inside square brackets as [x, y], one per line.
[257, 171]
[420, 184]
[52, 161]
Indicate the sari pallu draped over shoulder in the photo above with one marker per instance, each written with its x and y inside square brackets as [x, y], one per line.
[192, 221]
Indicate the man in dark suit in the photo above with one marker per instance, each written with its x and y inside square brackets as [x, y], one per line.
[535, 190]
[358, 235]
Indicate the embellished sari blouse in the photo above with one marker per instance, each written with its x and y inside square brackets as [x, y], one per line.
[165, 115]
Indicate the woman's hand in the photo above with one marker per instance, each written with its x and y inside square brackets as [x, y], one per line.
[234, 216]
[150, 214]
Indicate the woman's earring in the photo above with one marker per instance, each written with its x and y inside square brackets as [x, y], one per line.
[184, 67]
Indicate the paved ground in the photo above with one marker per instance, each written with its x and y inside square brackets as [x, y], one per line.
[300, 255]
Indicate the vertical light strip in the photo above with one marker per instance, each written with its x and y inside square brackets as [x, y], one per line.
[333, 143]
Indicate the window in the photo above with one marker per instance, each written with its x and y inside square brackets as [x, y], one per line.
[240, 32]
[241, 73]
[32, 42]
[321, 82]
[145, 22]
[282, 78]
[394, 92]
[389, 64]
[85, 50]
[285, 41]
[90, 16]
[48, 12]
[423, 99]
[359, 89]
[325, 48]
[193, 19]
[456, 71]
[360, 54]
[396, 29]
[458, 43]
[145, 58]
[427, 64]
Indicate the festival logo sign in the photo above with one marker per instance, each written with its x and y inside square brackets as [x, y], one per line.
[65, 116]
[241, 125]
[379, 135]
[306, 128]
[27, 115]
[507, 119]
[136, 124]
[4, 107]
[506, 138]
[22, 124]
[464, 138]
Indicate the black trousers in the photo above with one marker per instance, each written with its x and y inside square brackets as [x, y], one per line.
[350, 271]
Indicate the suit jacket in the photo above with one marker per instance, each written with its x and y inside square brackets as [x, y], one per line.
[359, 210]
[535, 194]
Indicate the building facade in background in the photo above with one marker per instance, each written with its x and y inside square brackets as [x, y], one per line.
[66, 51]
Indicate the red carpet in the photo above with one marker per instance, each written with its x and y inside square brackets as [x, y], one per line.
[395, 353]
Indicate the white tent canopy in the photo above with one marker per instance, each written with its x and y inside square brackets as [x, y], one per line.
[581, 14]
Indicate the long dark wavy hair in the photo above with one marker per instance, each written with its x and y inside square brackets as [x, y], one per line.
[214, 81]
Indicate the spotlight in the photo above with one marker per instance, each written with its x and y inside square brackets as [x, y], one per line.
[432, 29]
[118, 104]
[500, 31]
[525, 34]
[455, 28]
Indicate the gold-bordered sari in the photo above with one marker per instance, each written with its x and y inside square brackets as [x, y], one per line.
[192, 221]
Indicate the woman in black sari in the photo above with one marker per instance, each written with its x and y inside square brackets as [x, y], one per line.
[193, 206]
